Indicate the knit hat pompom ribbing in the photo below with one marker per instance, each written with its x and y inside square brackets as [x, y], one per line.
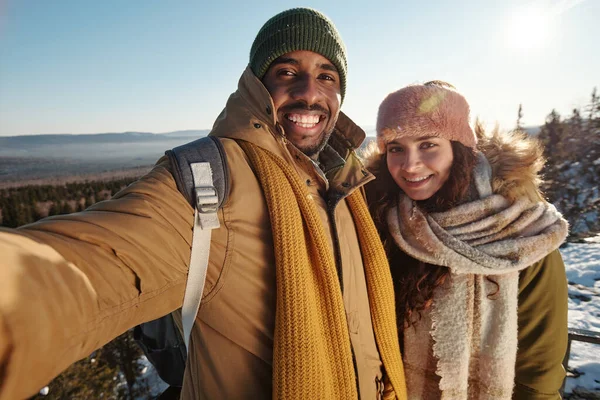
[298, 29]
[425, 110]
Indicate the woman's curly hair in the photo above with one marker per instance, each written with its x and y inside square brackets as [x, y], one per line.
[415, 282]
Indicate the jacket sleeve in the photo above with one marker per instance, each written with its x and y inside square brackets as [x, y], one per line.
[71, 283]
[543, 329]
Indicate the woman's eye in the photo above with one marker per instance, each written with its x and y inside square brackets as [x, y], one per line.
[427, 145]
[394, 149]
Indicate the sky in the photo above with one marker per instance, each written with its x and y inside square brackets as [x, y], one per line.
[82, 66]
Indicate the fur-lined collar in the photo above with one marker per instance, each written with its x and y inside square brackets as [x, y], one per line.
[516, 160]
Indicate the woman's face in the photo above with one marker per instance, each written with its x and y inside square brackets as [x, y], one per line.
[420, 165]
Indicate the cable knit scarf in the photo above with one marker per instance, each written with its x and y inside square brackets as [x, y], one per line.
[473, 323]
[312, 355]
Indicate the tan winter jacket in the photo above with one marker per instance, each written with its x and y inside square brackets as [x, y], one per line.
[69, 284]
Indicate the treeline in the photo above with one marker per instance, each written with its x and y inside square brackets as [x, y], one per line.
[572, 170]
[23, 205]
[112, 372]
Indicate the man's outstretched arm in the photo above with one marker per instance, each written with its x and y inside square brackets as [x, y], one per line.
[71, 283]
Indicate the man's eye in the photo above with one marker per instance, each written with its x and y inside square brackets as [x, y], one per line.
[327, 77]
[285, 72]
[394, 149]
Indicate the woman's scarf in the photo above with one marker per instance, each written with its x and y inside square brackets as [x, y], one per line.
[473, 321]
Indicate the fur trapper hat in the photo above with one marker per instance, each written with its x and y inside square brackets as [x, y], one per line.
[432, 109]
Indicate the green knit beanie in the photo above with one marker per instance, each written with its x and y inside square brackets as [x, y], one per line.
[298, 29]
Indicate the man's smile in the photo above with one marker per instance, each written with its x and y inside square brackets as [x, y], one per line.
[307, 121]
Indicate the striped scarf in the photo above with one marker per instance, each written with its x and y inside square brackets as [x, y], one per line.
[312, 355]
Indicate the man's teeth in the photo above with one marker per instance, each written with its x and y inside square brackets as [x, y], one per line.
[417, 179]
[305, 121]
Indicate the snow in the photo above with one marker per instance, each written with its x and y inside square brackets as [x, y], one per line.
[594, 239]
[582, 262]
[150, 378]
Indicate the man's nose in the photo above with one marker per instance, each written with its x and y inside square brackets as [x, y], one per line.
[306, 90]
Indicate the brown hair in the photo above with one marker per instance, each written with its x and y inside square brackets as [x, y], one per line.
[415, 281]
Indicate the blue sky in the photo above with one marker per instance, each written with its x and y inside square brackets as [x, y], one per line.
[156, 66]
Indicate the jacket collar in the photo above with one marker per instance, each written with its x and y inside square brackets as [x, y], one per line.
[249, 115]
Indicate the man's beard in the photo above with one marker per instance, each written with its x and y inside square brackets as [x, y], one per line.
[314, 150]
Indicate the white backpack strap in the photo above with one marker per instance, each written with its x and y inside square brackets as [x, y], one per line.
[205, 220]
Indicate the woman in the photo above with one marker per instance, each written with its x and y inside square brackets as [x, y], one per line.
[481, 293]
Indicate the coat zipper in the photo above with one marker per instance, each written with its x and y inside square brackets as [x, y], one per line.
[332, 202]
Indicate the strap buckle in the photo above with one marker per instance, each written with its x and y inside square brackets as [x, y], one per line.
[207, 201]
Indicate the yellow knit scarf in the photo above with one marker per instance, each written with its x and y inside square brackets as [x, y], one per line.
[312, 356]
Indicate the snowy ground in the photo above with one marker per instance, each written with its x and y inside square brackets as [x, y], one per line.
[583, 273]
[151, 379]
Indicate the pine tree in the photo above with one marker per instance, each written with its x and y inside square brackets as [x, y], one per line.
[594, 106]
[572, 149]
[551, 135]
[574, 144]
[590, 156]
[88, 201]
[90, 378]
[519, 127]
[65, 208]
[54, 209]
[120, 353]
[10, 217]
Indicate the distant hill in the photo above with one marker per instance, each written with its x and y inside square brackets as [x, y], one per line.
[60, 155]
[188, 133]
[27, 141]
[532, 130]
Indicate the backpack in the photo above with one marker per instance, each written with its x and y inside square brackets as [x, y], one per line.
[201, 172]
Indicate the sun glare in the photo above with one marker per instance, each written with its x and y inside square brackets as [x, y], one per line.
[528, 28]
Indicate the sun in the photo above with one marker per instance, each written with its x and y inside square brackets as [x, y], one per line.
[528, 28]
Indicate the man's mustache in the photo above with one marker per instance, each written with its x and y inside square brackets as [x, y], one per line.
[299, 106]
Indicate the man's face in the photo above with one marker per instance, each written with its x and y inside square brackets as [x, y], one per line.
[305, 88]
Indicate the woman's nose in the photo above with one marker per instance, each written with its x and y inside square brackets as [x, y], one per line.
[411, 161]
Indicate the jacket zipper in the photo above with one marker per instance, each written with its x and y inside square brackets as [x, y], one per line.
[332, 202]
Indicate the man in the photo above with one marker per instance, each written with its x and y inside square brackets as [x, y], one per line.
[285, 311]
